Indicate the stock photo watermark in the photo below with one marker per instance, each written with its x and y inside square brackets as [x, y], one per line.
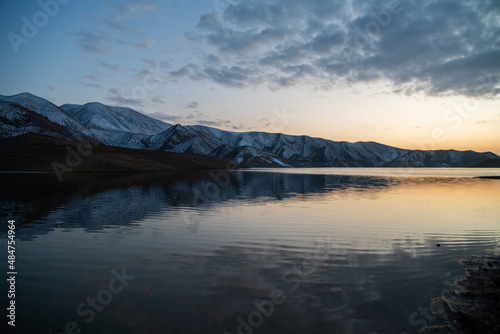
[151, 80]
[11, 273]
[88, 309]
[454, 118]
[219, 180]
[30, 26]
[291, 279]
[372, 29]
[74, 158]
[221, 5]
[424, 316]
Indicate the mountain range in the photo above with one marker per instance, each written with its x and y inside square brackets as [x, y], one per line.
[124, 127]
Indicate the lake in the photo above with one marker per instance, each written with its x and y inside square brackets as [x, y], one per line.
[323, 250]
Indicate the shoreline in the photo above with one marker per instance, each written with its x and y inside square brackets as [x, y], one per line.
[475, 303]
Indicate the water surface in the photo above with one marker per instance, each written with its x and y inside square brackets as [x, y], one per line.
[295, 251]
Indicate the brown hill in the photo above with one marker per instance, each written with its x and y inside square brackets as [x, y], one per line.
[34, 152]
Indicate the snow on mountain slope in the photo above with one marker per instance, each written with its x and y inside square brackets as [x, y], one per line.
[261, 148]
[272, 147]
[95, 115]
[69, 106]
[49, 110]
[125, 127]
[115, 126]
[184, 139]
[441, 158]
[16, 120]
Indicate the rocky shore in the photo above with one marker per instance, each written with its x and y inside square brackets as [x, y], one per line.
[474, 303]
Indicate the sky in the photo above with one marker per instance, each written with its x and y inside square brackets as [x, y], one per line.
[406, 73]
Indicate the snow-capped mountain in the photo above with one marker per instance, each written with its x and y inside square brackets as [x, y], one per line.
[16, 120]
[440, 158]
[275, 149]
[52, 112]
[125, 127]
[115, 126]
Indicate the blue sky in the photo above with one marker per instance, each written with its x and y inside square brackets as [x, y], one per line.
[412, 74]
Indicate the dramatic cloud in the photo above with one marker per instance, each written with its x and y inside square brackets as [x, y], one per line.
[436, 47]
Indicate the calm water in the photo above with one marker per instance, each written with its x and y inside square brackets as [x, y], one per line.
[280, 251]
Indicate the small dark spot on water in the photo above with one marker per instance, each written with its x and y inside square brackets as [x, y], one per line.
[438, 245]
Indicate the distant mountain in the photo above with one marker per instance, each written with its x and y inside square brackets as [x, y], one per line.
[257, 148]
[441, 158]
[115, 126]
[489, 163]
[275, 149]
[124, 127]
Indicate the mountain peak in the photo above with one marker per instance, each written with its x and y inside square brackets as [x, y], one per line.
[48, 109]
[26, 98]
[116, 125]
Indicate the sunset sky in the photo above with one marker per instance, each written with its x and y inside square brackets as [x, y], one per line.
[412, 74]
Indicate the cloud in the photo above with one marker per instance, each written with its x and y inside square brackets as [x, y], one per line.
[143, 43]
[90, 84]
[91, 42]
[91, 81]
[152, 71]
[218, 123]
[485, 121]
[157, 99]
[112, 67]
[116, 25]
[196, 118]
[238, 127]
[166, 117]
[210, 123]
[134, 9]
[116, 96]
[119, 15]
[193, 105]
[437, 48]
[234, 76]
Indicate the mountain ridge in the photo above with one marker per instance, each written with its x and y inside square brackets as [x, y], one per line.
[125, 127]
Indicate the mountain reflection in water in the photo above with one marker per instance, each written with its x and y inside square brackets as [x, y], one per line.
[251, 252]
